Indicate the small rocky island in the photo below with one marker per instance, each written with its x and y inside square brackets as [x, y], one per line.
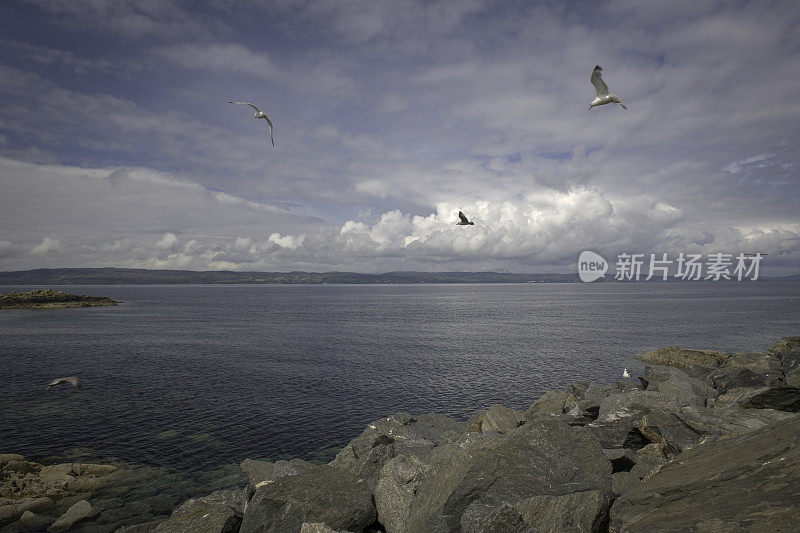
[50, 299]
[701, 441]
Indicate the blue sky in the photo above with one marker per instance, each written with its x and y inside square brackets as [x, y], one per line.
[118, 146]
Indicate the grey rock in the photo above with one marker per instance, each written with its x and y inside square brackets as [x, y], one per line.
[678, 384]
[328, 494]
[726, 379]
[551, 402]
[579, 511]
[29, 521]
[788, 351]
[683, 358]
[502, 518]
[74, 514]
[292, 467]
[756, 361]
[544, 457]
[258, 471]
[780, 398]
[146, 527]
[793, 378]
[622, 482]
[617, 433]
[744, 483]
[669, 431]
[219, 512]
[649, 459]
[317, 527]
[398, 483]
[496, 418]
[399, 434]
[622, 459]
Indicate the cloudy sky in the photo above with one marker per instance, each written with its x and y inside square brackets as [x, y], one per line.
[118, 146]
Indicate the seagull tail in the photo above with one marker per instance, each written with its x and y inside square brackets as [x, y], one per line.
[623, 106]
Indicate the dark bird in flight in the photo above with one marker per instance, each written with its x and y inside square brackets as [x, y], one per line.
[603, 95]
[72, 380]
[259, 114]
[464, 221]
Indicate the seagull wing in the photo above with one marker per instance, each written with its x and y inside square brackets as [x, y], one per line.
[269, 123]
[597, 80]
[463, 218]
[247, 103]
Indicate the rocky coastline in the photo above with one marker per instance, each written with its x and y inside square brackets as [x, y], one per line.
[701, 441]
[50, 299]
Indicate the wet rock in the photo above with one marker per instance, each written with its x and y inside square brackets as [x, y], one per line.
[219, 512]
[683, 358]
[779, 398]
[328, 494]
[743, 483]
[7, 457]
[74, 514]
[788, 351]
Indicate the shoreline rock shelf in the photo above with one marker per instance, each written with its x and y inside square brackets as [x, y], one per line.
[702, 441]
[50, 299]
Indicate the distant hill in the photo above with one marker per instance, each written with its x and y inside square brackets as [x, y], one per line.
[140, 276]
[130, 276]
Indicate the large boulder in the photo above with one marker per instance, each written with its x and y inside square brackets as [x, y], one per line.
[399, 481]
[77, 512]
[496, 418]
[219, 512]
[780, 398]
[551, 402]
[748, 482]
[258, 471]
[756, 361]
[733, 377]
[327, 494]
[788, 351]
[683, 358]
[469, 485]
[398, 434]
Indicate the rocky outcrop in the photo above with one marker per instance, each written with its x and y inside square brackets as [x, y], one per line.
[50, 299]
[744, 483]
[682, 358]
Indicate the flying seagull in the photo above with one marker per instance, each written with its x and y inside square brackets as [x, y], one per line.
[72, 380]
[259, 114]
[603, 96]
[464, 221]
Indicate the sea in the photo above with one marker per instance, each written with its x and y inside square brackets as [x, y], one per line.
[191, 378]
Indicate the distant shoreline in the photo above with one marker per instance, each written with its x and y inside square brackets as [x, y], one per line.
[128, 276]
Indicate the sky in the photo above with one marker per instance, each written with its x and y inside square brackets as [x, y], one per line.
[118, 146]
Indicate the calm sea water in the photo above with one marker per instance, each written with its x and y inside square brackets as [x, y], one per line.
[194, 377]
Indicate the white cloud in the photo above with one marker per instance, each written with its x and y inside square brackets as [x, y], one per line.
[47, 246]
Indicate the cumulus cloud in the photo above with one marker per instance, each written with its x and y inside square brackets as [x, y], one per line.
[47, 246]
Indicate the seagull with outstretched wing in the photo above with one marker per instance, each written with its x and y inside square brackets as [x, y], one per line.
[71, 380]
[604, 96]
[260, 114]
[464, 221]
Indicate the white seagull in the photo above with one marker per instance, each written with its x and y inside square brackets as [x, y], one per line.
[72, 380]
[260, 114]
[603, 96]
[625, 373]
